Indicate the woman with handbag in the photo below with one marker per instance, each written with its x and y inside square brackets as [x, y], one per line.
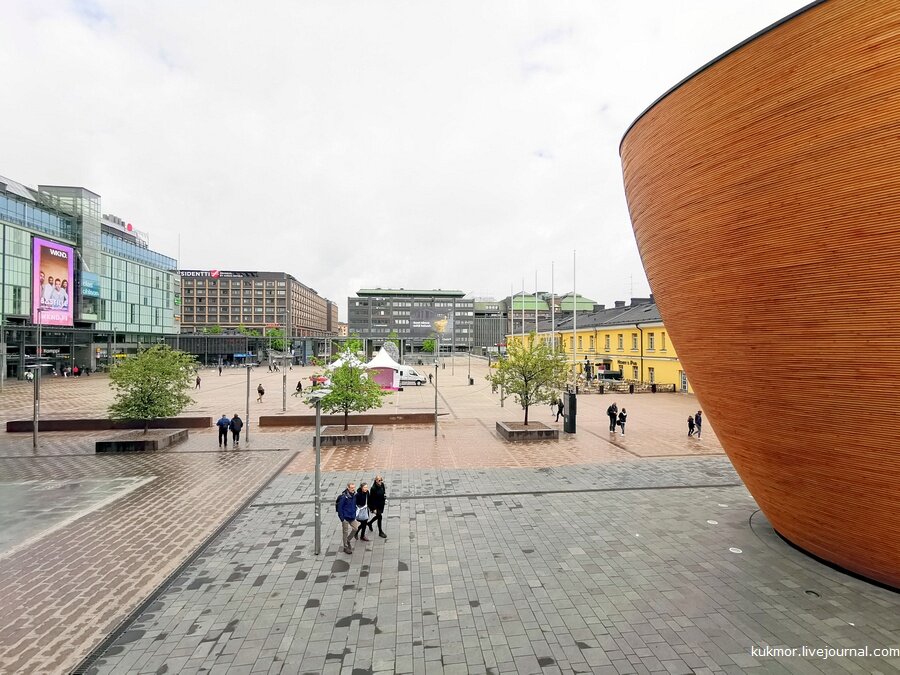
[376, 504]
[362, 511]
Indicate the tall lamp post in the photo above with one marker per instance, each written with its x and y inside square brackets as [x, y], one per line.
[247, 421]
[316, 397]
[435, 398]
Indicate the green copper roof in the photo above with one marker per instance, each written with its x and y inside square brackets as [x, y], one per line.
[529, 302]
[582, 304]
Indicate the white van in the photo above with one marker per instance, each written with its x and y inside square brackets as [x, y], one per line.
[410, 376]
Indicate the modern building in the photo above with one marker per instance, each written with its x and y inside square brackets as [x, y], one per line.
[114, 293]
[490, 325]
[214, 300]
[414, 315]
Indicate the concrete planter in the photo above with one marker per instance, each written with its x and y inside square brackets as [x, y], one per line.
[535, 431]
[359, 434]
[137, 441]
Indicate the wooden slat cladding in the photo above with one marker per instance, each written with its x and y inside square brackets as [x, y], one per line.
[765, 198]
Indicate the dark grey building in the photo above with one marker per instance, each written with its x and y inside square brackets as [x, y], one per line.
[490, 325]
[414, 315]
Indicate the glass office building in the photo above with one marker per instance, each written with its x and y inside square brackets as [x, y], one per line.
[121, 295]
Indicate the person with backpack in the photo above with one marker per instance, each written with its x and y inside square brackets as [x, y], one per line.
[560, 406]
[260, 392]
[299, 389]
[623, 417]
[224, 423]
[690, 425]
[345, 505]
[613, 413]
[236, 425]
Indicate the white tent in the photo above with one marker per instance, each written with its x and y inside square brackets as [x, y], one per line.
[345, 358]
[385, 370]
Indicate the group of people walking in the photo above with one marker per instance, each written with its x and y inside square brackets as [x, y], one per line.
[359, 510]
[695, 424]
[234, 425]
[616, 418]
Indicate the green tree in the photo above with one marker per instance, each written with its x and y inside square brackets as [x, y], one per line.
[277, 339]
[249, 332]
[352, 390]
[353, 344]
[428, 345]
[393, 337]
[151, 384]
[213, 330]
[532, 372]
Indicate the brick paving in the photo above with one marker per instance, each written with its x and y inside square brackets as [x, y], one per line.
[485, 570]
[69, 586]
[628, 581]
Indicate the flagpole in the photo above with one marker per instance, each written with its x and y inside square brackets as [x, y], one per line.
[574, 314]
[535, 304]
[552, 307]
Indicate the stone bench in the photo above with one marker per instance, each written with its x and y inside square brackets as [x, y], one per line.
[536, 431]
[355, 435]
[138, 441]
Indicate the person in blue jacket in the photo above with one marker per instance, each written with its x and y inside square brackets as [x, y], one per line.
[346, 510]
[224, 424]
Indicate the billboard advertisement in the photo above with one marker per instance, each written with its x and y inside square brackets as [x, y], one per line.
[426, 322]
[52, 282]
[90, 285]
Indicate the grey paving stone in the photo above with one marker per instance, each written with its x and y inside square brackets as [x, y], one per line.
[467, 582]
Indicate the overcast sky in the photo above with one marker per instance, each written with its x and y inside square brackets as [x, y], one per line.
[410, 144]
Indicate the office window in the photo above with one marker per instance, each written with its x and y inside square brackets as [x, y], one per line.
[634, 341]
[662, 341]
[651, 342]
[592, 343]
[606, 342]
[621, 342]
[634, 372]
[651, 375]
[579, 342]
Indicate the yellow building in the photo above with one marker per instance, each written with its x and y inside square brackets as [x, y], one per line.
[630, 339]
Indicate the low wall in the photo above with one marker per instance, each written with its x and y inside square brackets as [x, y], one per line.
[100, 424]
[310, 420]
[137, 442]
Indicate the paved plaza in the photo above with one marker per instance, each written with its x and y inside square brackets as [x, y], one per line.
[596, 553]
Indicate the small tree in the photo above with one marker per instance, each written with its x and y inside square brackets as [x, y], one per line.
[352, 390]
[532, 372]
[213, 330]
[353, 344]
[277, 340]
[428, 345]
[151, 384]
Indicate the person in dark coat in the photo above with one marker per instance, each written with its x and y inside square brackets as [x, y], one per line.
[346, 510]
[698, 422]
[690, 425]
[613, 413]
[559, 408]
[236, 425]
[377, 499]
[223, 425]
[623, 417]
[362, 500]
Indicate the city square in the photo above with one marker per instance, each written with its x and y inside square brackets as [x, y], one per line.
[582, 315]
[596, 553]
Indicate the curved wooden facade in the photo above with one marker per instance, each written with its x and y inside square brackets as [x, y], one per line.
[764, 192]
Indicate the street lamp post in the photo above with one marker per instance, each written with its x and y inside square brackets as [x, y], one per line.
[435, 400]
[316, 397]
[247, 421]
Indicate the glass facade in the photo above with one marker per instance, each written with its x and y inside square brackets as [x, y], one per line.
[138, 287]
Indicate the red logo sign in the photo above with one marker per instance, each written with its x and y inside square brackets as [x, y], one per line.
[214, 274]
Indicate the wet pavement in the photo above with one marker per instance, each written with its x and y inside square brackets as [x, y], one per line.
[596, 553]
